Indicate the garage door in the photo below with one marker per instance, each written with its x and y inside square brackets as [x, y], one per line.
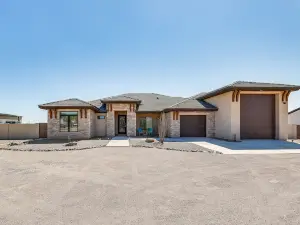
[257, 116]
[192, 126]
[298, 132]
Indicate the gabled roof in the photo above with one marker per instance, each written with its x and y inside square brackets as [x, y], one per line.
[147, 102]
[68, 103]
[295, 110]
[250, 86]
[98, 104]
[192, 104]
[153, 102]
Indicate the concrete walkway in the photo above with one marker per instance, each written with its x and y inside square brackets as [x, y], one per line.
[118, 142]
[213, 147]
[250, 147]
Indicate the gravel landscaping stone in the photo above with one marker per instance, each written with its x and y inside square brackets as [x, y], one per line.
[175, 146]
[55, 145]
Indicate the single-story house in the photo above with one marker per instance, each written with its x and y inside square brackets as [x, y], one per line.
[11, 119]
[294, 123]
[241, 110]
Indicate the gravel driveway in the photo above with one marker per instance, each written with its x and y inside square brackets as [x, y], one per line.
[148, 186]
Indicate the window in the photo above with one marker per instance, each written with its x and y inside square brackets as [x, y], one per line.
[69, 121]
[11, 122]
[145, 123]
[100, 117]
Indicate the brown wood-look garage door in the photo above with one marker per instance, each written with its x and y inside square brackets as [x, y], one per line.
[298, 132]
[257, 116]
[192, 126]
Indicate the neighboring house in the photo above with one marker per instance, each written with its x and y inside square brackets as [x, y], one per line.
[8, 118]
[294, 123]
[242, 110]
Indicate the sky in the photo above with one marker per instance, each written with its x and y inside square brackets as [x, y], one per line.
[91, 49]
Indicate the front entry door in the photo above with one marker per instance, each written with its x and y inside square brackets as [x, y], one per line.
[122, 124]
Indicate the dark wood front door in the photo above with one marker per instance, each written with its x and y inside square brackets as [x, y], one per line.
[257, 116]
[122, 124]
[192, 126]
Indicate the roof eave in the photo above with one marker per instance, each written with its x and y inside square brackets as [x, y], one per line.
[149, 111]
[70, 107]
[295, 110]
[227, 89]
[190, 109]
[118, 101]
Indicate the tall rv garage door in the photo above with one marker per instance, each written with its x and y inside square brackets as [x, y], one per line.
[192, 126]
[257, 116]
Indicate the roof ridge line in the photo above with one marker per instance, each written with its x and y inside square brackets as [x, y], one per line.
[132, 98]
[181, 102]
[85, 102]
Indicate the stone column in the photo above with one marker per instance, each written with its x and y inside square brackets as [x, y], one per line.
[173, 126]
[110, 124]
[131, 124]
[210, 125]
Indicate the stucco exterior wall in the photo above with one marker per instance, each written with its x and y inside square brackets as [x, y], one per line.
[281, 115]
[93, 123]
[4, 131]
[84, 126]
[223, 117]
[294, 118]
[292, 131]
[227, 118]
[19, 131]
[100, 125]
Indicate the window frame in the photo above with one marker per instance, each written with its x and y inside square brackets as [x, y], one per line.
[68, 121]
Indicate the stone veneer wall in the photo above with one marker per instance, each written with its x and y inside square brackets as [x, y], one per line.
[211, 124]
[84, 126]
[174, 125]
[168, 118]
[131, 123]
[111, 120]
[110, 124]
